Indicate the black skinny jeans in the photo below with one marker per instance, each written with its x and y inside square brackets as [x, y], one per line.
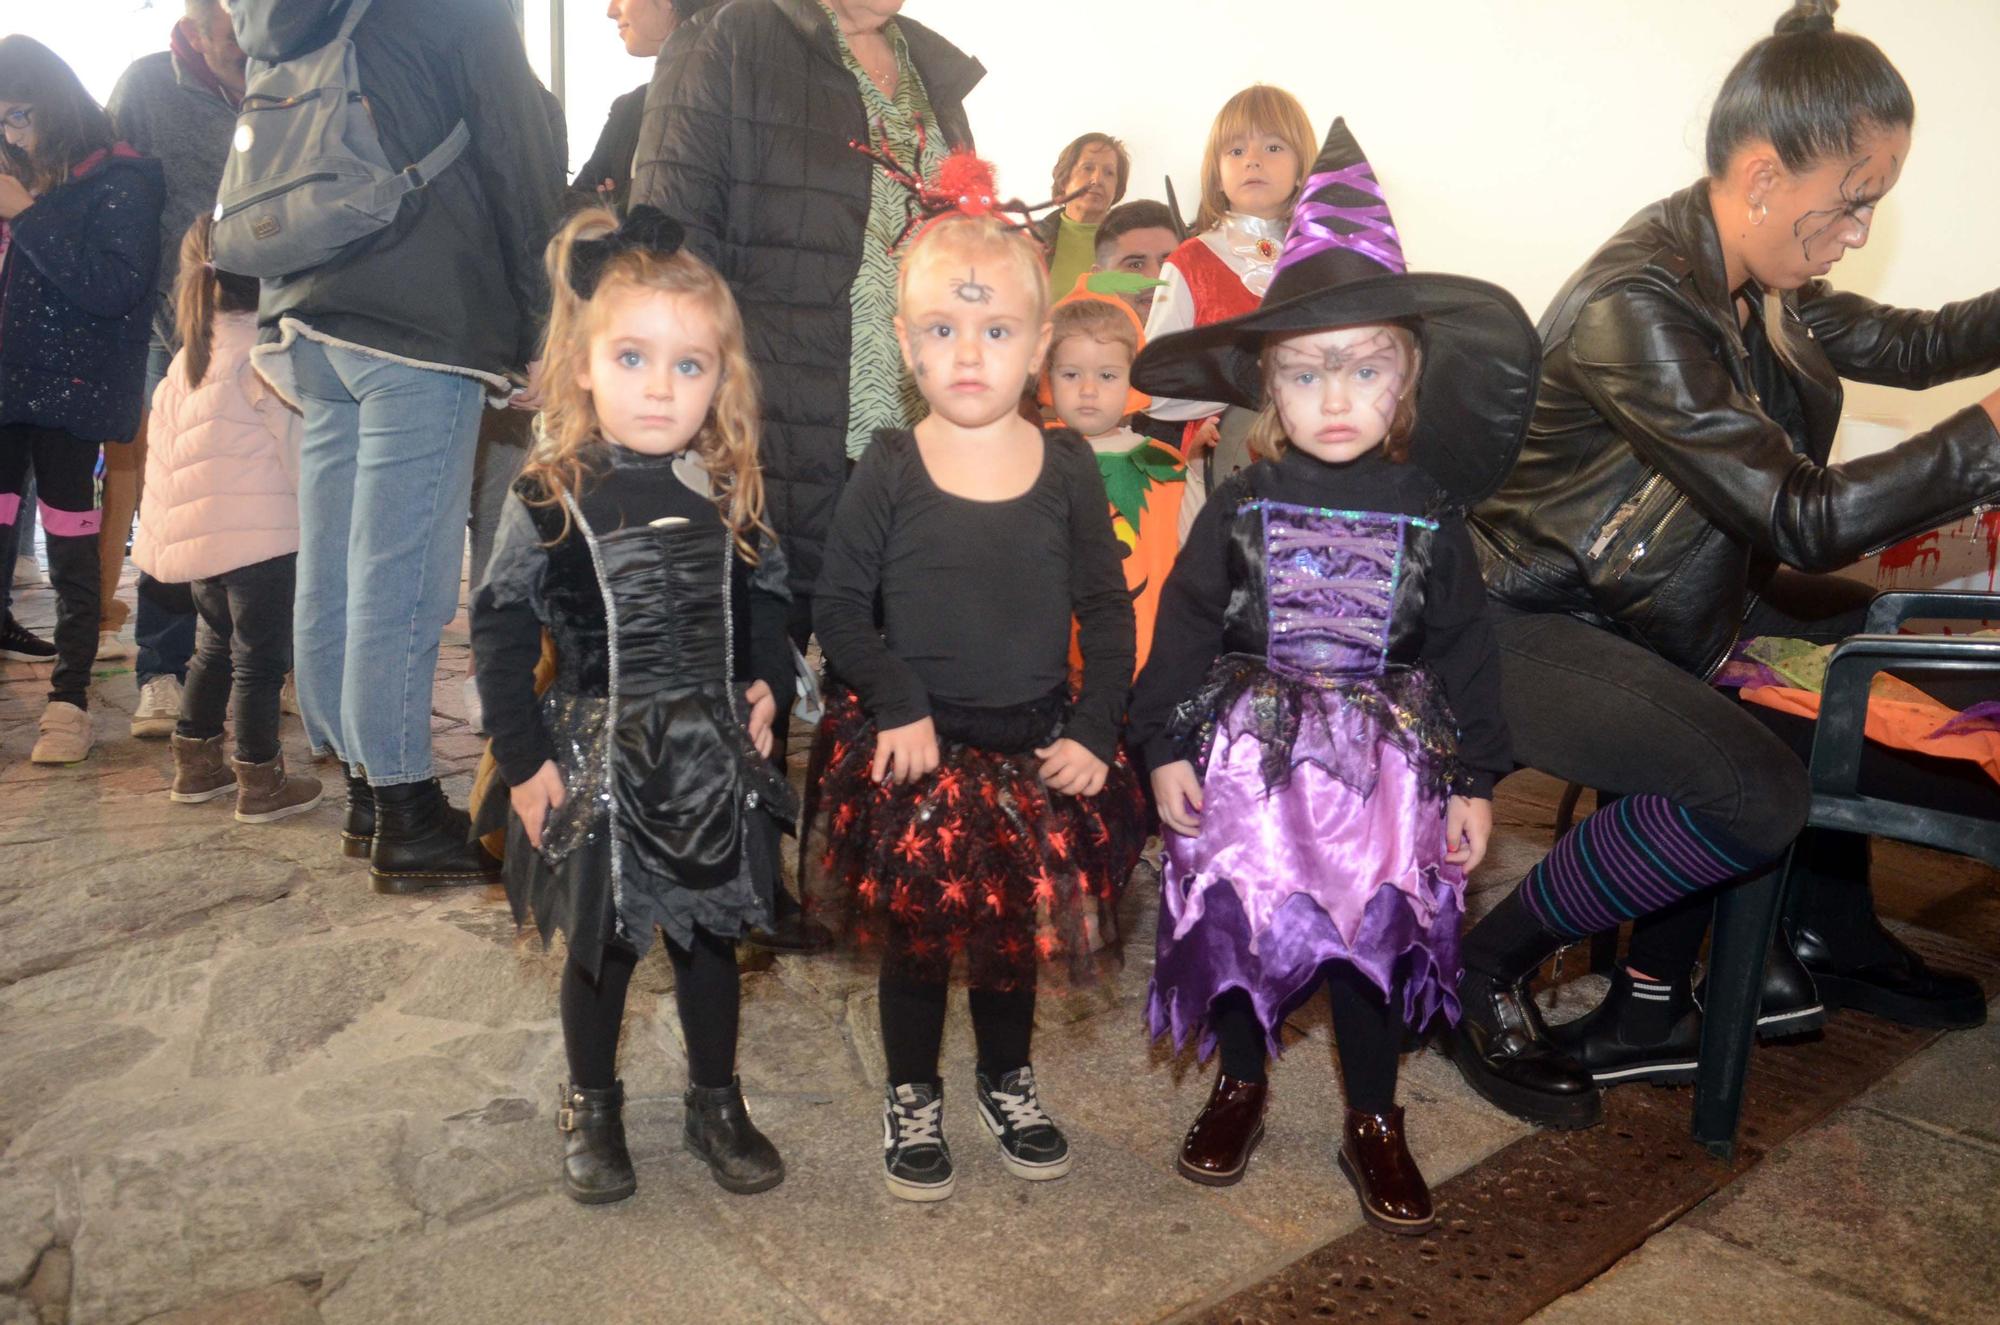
[65, 474]
[1590, 707]
[243, 648]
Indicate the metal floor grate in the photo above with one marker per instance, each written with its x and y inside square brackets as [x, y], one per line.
[1548, 1213]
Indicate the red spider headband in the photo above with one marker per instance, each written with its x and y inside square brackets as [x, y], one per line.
[964, 185]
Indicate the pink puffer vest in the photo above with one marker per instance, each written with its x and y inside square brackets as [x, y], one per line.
[222, 467]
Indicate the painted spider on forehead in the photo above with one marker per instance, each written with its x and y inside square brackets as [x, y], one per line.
[963, 184]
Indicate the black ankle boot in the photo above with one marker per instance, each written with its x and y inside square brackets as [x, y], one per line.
[1636, 1036]
[357, 830]
[1500, 1046]
[1876, 973]
[1788, 1004]
[422, 841]
[1503, 1051]
[597, 1169]
[720, 1134]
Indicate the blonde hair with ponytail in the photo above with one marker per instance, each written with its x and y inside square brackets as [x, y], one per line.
[727, 442]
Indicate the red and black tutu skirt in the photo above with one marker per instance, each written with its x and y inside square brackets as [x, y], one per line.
[979, 858]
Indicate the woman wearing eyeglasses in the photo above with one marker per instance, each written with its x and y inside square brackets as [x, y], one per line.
[79, 247]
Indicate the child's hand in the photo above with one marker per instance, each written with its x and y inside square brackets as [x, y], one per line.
[1177, 789]
[1468, 824]
[1070, 769]
[534, 799]
[906, 753]
[1206, 436]
[763, 713]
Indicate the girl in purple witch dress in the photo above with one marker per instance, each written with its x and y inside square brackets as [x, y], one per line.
[1321, 710]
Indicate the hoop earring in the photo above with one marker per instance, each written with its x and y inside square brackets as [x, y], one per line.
[1759, 212]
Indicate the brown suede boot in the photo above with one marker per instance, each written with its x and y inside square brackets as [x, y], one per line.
[200, 771]
[266, 794]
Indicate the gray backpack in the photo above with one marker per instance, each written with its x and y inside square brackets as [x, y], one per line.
[306, 174]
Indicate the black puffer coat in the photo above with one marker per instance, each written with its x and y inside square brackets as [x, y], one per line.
[456, 280]
[746, 142]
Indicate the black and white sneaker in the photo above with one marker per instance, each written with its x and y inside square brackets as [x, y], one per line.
[1031, 1145]
[915, 1160]
[20, 644]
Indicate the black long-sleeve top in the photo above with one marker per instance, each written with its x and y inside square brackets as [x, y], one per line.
[621, 489]
[1458, 643]
[976, 597]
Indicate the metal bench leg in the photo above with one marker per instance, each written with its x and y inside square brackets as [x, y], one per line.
[1746, 918]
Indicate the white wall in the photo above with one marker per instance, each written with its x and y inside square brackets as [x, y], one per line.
[1512, 136]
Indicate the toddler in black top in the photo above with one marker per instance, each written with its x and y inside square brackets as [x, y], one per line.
[963, 801]
[640, 788]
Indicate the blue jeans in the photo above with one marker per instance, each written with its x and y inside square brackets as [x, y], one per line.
[165, 637]
[385, 476]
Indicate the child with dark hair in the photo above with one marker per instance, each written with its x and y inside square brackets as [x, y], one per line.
[79, 248]
[1095, 168]
[1321, 710]
[221, 509]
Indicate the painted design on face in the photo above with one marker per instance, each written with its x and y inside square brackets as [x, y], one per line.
[1859, 191]
[969, 288]
[1374, 371]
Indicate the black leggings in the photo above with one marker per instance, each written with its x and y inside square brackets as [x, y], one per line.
[1367, 1031]
[705, 991]
[1003, 1025]
[65, 474]
[243, 649]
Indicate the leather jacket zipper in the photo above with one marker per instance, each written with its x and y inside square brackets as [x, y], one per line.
[1645, 540]
[1619, 518]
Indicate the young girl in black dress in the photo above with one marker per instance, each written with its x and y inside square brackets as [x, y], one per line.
[966, 801]
[641, 792]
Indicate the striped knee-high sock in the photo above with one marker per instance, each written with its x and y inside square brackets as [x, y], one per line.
[1631, 858]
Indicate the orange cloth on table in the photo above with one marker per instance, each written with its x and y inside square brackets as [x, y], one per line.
[1899, 716]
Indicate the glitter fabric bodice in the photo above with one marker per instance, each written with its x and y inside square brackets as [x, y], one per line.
[1332, 584]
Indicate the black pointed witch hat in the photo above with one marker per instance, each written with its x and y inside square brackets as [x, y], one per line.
[1343, 265]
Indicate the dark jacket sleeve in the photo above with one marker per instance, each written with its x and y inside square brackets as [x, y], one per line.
[617, 144]
[519, 165]
[100, 246]
[1903, 347]
[844, 598]
[1187, 631]
[1460, 650]
[1650, 367]
[769, 611]
[1107, 633]
[506, 621]
[681, 165]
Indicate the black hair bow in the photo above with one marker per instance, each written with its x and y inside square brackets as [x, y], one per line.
[645, 227]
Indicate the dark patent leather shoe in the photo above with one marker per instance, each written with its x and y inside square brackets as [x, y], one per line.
[720, 1134]
[1225, 1133]
[1373, 1155]
[1788, 1005]
[1891, 982]
[597, 1169]
[1502, 1050]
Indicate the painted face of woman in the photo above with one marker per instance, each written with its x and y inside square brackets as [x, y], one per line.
[1801, 224]
[1337, 390]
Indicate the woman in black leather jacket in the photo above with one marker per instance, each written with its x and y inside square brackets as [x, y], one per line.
[1674, 496]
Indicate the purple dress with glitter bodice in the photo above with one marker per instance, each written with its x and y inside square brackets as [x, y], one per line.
[1327, 751]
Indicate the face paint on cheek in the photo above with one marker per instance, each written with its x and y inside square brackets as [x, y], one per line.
[1819, 231]
[1388, 397]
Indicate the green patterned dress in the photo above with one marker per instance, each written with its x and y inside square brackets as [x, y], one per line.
[880, 391]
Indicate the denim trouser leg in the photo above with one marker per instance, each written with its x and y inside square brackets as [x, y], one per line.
[165, 637]
[385, 476]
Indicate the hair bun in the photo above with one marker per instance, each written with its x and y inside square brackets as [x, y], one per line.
[1807, 16]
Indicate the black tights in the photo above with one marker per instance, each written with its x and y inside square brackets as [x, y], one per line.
[1003, 1024]
[705, 990]
[1366, 1030]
